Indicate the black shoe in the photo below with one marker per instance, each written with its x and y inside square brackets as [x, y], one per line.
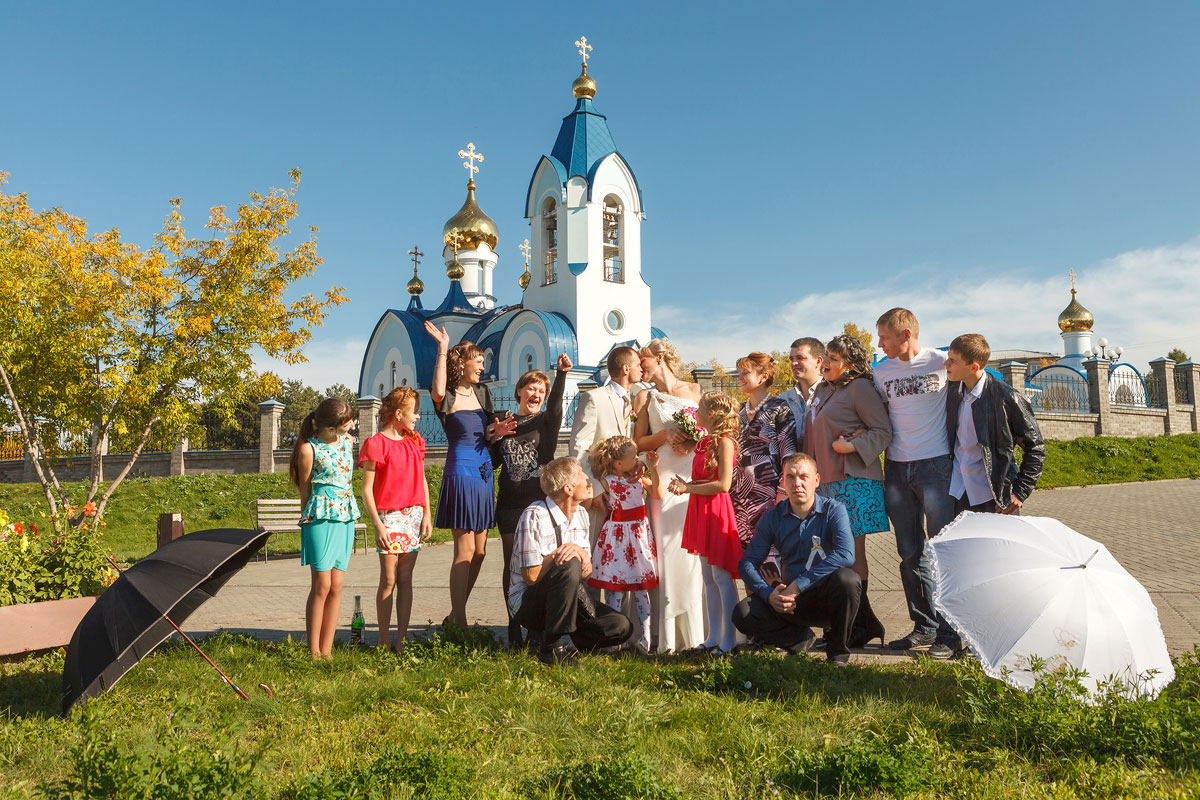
[515, 639]
[558, 654]
[839, 660]
[915, 641]
[803, 646]
[945, 649]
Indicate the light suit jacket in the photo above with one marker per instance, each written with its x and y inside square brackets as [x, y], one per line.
[599, 415]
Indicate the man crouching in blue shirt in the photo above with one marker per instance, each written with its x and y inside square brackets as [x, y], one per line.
[816, 549]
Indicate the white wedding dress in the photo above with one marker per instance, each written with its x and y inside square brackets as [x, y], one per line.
[678, 602]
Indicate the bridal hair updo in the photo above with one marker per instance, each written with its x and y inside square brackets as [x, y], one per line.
[853, 354]
[662, 348]
[456, 362]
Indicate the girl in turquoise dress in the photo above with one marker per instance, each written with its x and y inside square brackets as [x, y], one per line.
[322, 467]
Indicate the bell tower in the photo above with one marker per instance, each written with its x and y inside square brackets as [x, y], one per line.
[585, 214]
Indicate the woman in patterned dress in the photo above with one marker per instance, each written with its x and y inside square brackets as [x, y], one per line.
[846, 431]
[322, 468]
[766, 438]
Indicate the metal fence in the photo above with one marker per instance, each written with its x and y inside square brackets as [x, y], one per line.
[1126, 388]
[1183, 388]
[1060, 391]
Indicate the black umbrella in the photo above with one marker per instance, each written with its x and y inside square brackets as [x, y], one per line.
[146, 604]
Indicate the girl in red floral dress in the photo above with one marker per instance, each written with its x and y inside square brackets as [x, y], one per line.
[710, 528]
[625, 559]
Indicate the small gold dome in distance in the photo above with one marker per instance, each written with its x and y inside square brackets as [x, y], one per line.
[1075, 317]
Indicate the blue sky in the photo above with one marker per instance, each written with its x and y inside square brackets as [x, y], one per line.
[803, 164]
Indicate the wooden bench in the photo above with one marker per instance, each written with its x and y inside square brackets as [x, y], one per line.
[283, 516]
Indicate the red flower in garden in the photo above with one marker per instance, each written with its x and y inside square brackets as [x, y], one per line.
[89, 509]
[17, 529]
[33, 529]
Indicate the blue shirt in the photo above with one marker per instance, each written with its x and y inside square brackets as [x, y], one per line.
[827, 521]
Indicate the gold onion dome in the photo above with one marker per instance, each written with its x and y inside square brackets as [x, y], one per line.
[1075, 317]
[415, 286]
[524, 279]
[455, 271]
[471, 224]
[584, 85]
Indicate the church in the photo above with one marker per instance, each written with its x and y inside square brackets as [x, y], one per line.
[583, 295]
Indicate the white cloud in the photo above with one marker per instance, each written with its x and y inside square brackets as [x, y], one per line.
[330, 361]
[1144, 300]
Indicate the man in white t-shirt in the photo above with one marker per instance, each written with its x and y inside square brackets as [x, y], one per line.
[917, 497]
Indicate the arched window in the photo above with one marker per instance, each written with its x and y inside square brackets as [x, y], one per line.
[528, 362]
[393, 374]
[381, 390]
[614, 265]
[549, 241]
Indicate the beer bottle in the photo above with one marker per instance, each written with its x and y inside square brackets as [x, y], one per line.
[356, 624]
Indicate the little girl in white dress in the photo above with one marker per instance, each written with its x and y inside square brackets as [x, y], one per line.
[625, 559]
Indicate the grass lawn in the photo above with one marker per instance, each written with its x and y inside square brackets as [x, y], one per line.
[222, 501]
[470, 720]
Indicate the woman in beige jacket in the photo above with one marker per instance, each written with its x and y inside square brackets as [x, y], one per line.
[846, 431]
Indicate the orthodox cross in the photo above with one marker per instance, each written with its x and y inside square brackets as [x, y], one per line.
[584, 47]
[1072, 276]
[416, 257]
[455, 238]
[524, 248]
[471, 157]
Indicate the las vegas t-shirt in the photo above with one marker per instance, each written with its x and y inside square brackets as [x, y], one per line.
[915, 391]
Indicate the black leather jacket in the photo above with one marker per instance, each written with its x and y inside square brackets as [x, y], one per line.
[1003, 419]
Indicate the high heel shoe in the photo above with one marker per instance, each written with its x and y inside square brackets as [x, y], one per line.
[867, 626]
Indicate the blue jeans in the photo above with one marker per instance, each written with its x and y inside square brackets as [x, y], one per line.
[918, 502]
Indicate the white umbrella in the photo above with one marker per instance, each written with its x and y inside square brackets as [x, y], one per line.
[1016, 588]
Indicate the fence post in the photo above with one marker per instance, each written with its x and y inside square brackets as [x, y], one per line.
[269, 414]
[1190, 374]
[176, 467]
[1164, 378]
[704, 376]
[1015, 374]
[368, 417]
[1097, 378]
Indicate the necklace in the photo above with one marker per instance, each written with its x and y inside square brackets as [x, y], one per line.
[460, 391]
[752, 410]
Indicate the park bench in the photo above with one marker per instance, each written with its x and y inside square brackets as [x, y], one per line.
[282, 515]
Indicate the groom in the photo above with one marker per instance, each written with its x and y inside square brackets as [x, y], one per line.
[604, 412]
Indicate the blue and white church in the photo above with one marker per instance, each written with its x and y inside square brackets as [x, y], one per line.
[584, 294]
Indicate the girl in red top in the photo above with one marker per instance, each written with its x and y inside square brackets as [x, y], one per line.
[396, 495]
[710, 528]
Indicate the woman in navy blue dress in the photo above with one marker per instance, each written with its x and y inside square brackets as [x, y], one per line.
[466, 503]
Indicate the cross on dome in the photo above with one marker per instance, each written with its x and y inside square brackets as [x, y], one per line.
[471, 157]
[524, 248]
[1072, 276]
[416, 256]
[584, 47]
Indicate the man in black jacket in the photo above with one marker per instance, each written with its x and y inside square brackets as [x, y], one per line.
[986, 420]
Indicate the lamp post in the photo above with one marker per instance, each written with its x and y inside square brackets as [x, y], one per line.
[1102, 350]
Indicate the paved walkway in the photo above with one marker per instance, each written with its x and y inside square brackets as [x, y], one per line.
[1153, 529]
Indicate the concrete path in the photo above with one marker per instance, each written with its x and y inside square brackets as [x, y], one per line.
[1153, 529]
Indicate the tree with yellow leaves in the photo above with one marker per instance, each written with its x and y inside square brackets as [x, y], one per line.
[100, 338]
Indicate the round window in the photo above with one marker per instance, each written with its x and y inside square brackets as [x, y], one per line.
[614, 321]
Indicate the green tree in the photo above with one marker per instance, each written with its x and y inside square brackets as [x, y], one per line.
[1178, 356]
[103, 339]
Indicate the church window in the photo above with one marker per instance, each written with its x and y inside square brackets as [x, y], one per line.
[614, 269]
[614, 320]
[528, 362]
[393, 374]
[381, 390]
[550, 241]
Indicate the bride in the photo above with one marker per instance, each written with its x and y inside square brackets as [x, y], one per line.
[677, 604]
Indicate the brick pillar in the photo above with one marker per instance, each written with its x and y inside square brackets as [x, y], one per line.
[368, 417]
[1191, 377]
[1015, 374]
[704, 376]
[176, 467]
[587, 386]
[1097, 378]
[1164, 380]
[269, 414]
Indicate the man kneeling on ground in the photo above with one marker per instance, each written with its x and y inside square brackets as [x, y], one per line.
[816, 549]
[550, 563]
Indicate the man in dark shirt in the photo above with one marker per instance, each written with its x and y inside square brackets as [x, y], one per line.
[816, 550]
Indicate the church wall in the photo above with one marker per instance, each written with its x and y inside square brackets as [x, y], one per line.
[390, 343]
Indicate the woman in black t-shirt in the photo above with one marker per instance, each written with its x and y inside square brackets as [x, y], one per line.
[522, 453]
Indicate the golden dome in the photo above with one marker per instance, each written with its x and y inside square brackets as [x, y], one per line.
[471, 224]
[415, 286]
[455, 271]
[584, 85]
[1075, 317]
[524, 279]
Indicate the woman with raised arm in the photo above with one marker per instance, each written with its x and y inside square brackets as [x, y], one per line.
[466, 503]
[678, 602]
[531, 446]
[846, 431]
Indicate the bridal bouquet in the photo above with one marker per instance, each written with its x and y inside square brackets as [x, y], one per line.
[685, 419]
